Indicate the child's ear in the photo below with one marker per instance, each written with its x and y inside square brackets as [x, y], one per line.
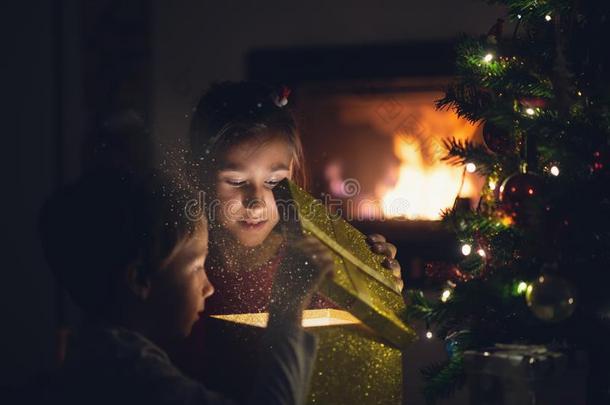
[137, 281]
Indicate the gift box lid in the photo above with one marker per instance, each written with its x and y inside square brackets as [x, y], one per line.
[360, 285]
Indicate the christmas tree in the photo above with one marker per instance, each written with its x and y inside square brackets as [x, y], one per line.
[535, 262]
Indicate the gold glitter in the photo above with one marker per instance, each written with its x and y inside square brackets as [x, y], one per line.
[361, 285]
[346, 354]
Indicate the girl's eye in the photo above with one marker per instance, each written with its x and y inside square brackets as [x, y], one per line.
[272, 183]
[236, 183]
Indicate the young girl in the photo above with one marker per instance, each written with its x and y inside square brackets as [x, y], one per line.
[245, 141]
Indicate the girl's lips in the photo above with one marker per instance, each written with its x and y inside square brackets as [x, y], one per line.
[252, 225]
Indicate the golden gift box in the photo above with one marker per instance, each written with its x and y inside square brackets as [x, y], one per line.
[353, 364]
[359, 357]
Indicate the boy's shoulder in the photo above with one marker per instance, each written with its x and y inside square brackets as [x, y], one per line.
[109, 345]
[112, 363]
[104, 348]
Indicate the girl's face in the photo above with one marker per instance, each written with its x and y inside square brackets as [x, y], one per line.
[250, 170]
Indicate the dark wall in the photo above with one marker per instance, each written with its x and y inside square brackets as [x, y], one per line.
[30, 170]
[67, 66]
[199, 41]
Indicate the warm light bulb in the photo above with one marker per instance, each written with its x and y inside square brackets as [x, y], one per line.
[548, 17]
[519, 16]
[481, 253]
[530, 111]
[554, 170]
[445, 295]
[488, 58]
[492, 185]
[466, 249]
[471, 167]
[522, 287]
[429, 335]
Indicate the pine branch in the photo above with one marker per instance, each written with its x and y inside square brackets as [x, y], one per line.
[534, 9]
[468, 101]
[443, 379]
[462, 152]
[419, 307]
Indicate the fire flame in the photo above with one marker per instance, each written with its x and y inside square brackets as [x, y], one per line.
[425, 184]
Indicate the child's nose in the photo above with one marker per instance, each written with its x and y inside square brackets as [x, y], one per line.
[254, 199]
[208, 290]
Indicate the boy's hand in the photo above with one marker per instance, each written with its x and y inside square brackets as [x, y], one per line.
[307, 263]
[380, 246]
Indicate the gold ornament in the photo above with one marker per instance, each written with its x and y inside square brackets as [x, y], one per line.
[551, 298]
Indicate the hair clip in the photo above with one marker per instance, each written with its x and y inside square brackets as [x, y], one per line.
[282, 99]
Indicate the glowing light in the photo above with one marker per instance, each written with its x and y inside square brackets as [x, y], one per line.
[507, 220]
[530, 111]
[311, 318]
[481, 253]
[570, 301]
[486, 354]
[488, 58]
[471, 167]
[466, 249]
[429, 335]
[554, 170]
[532, 360]
[541, 279]
[522, 287]
[579, 93]
[519, 16]
[548, 17]
[445, 295]
[492, 185]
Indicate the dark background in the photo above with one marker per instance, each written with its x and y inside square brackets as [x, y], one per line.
[66, 63]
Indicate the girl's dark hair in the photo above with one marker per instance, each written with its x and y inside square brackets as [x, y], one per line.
[91, 231]
[230, 112]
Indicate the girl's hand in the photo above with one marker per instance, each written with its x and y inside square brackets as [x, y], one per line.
[308, 262]
[380, 246]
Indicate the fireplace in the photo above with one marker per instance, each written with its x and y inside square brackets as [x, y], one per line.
[374, 141]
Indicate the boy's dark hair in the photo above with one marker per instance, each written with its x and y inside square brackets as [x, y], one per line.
[93, 230]
[230, 112]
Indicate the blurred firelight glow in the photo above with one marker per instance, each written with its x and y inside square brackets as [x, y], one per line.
[427, 183]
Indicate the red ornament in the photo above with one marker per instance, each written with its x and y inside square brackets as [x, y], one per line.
[442, 271]
[498, 139]
[533, 102]
[520, 197]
